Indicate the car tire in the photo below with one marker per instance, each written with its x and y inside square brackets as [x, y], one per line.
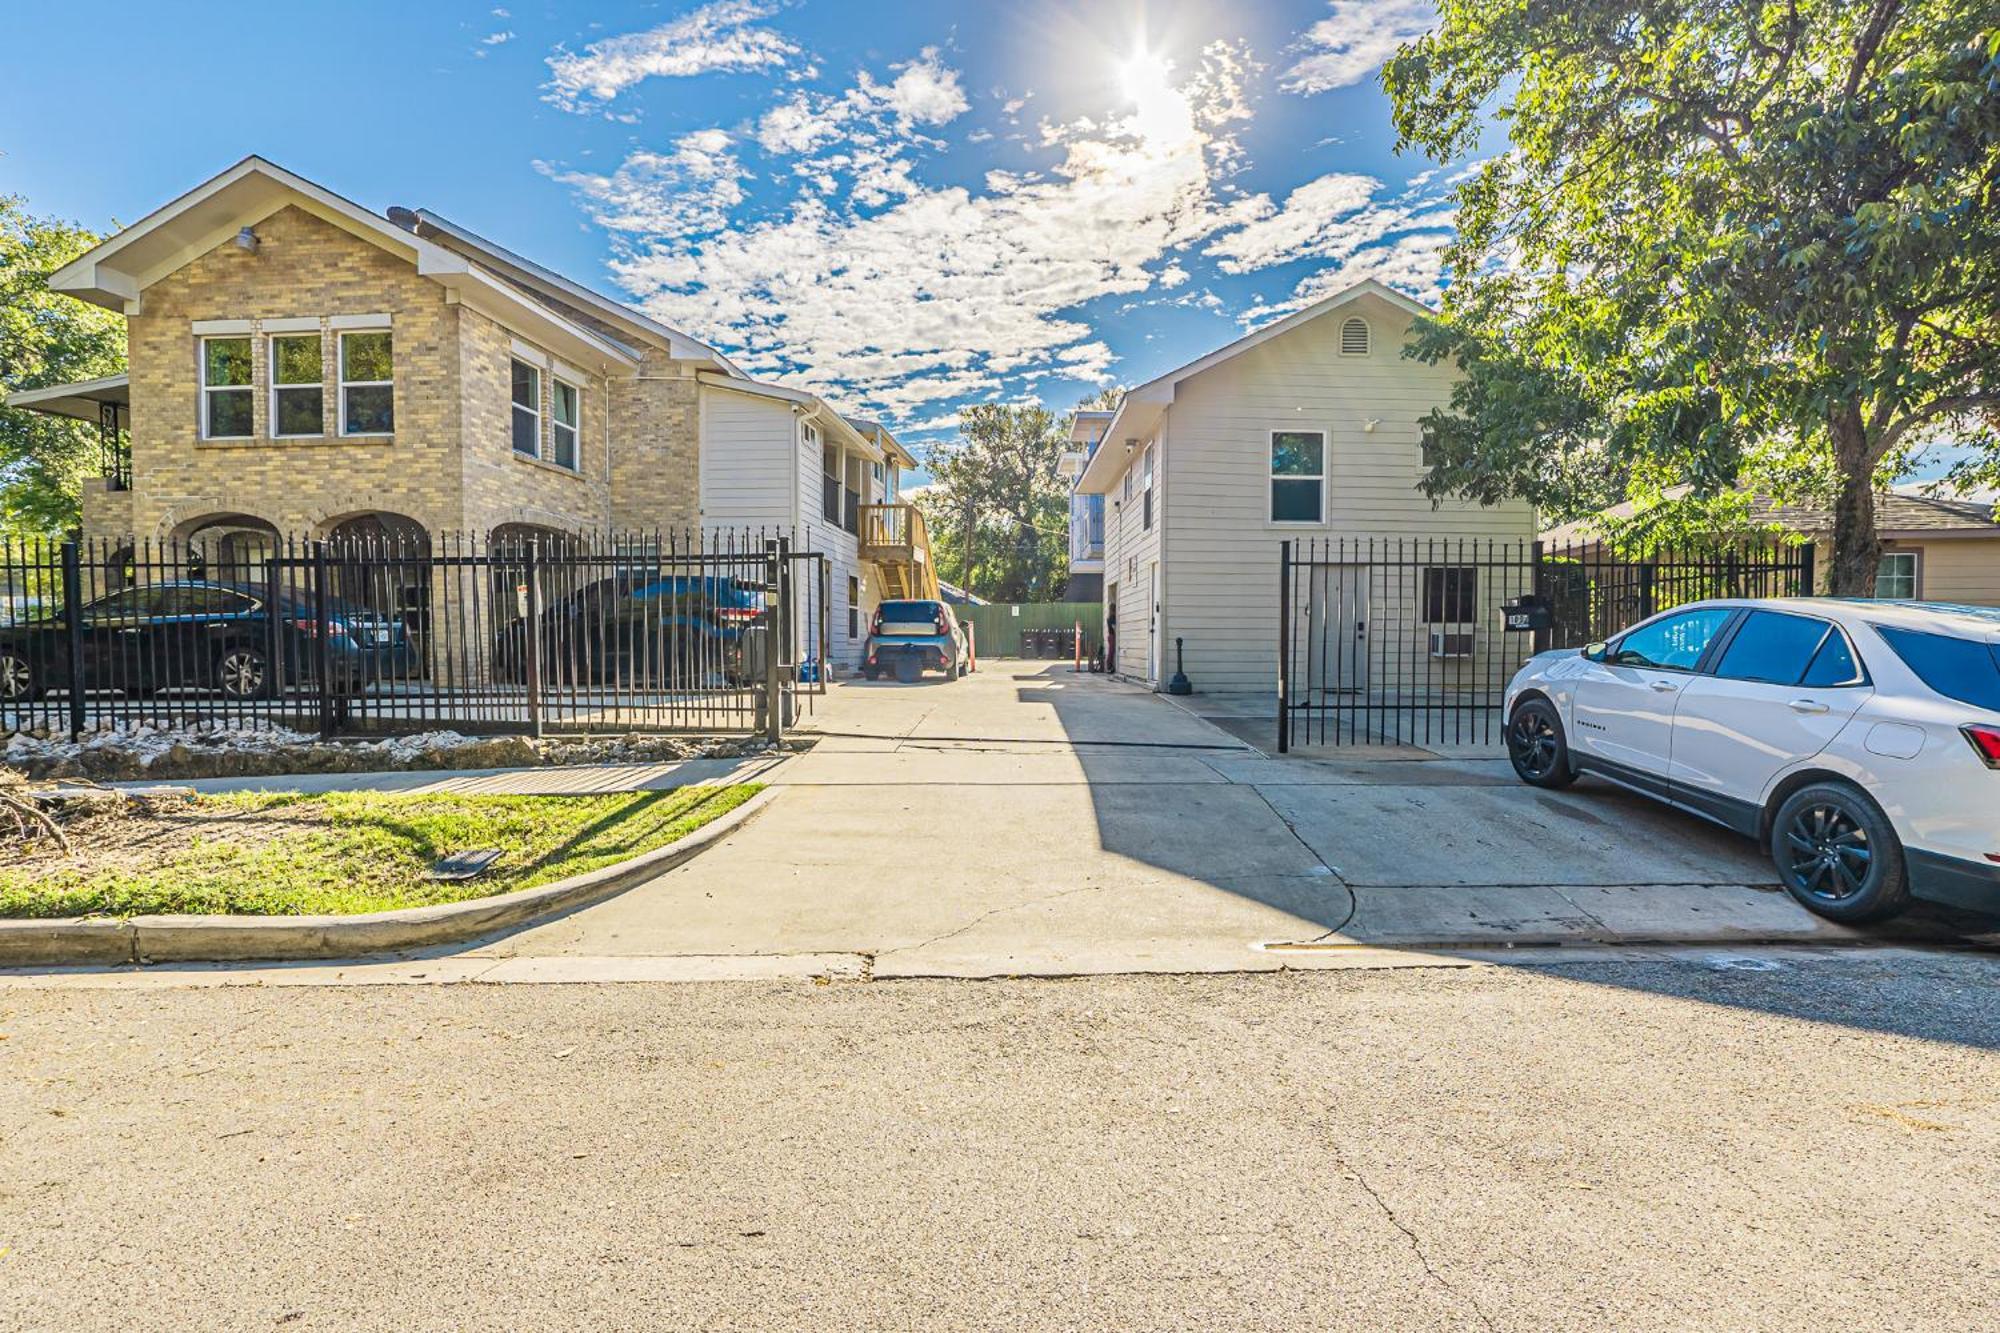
[908, 669]
[1838, 854]
[1537, 745]
[243, 673]
[871, 673]
[18, 684]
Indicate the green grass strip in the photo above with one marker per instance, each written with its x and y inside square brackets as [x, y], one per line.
[372, 851]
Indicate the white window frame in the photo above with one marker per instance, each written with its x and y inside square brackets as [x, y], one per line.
[319, 382]
[1146, 488]
[556, 426]
[340, 370]
[207, 389]
[1273, 476]
[514, 406]
[1916, 559]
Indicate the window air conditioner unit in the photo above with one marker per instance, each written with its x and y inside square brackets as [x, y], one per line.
[1451, 643]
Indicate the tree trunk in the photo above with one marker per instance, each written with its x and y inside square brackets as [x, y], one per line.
[1856, 549]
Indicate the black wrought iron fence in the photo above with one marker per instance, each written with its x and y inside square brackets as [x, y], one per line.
[695, 631]
[1405, 641]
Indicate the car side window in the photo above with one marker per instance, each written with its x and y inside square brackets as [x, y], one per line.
[1834, 664]
[1673, 644]
[214, 602]
[1773, 648]
[131, 604]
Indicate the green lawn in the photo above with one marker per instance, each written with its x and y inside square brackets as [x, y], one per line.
[266, 855]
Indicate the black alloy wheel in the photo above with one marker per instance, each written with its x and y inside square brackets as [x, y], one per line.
[1536, 745]
[1838, 855]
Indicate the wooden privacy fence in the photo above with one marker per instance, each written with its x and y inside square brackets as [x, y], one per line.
[1028, 629]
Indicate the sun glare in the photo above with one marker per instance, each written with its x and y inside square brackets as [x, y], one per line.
[1160, 112]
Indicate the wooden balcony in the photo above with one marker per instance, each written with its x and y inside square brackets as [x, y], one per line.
[894, 539]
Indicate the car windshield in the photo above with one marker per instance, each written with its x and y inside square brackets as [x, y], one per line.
[1962, 669]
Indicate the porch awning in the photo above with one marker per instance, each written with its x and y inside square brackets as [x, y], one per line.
[82, 400]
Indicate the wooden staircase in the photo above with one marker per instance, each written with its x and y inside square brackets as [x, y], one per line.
[894, 540]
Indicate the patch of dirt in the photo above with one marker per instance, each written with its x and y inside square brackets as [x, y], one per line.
[138, 835]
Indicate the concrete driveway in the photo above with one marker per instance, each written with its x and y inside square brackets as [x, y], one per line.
[1029, 820]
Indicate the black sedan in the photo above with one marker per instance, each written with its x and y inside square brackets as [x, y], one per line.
[198, 634]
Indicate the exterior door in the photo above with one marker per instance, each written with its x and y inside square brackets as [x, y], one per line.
[1153, 621]
[1337, 630]
[1782, 689]
[1622, 717]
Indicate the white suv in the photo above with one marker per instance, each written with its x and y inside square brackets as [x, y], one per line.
[1859, 740]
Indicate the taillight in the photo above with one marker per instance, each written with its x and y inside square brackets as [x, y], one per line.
[1985, 739]
[940, 622]
[741, 615]
[875, 625]
[311, 628]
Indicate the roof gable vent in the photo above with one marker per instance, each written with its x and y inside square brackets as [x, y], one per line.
[1354, 338]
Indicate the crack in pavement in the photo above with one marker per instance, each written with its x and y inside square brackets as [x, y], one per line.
[989, 913]
[1416, 1245]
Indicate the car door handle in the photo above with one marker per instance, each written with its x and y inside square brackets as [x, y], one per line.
[1807, 706]
[1665, 686]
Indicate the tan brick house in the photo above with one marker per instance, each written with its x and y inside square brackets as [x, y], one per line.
[301, 365]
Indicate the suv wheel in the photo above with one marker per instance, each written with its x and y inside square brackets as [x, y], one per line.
[1537, 746]
[241, 673]
[17, 678]
[1838, 855]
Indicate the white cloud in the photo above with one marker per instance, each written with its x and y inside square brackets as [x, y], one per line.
[722, 36]
[689, 191]
[896, 293]
[496, 38]
[1355, 39]
[1412, 264]
[1343, 221]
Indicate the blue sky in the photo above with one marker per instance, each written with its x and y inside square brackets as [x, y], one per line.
[905, 206]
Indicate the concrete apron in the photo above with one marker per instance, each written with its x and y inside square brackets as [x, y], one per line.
[1027, 821]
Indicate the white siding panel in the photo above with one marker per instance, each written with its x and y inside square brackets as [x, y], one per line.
[745, 445]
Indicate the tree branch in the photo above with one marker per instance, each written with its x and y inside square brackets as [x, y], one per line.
[1865, 50]
[1949, 406]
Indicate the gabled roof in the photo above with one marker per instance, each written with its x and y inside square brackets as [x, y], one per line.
[548, 282]
[1897, 515]
[118, 269]
[1140, 409]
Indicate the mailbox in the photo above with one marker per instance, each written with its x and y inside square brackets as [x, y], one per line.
[1527, 614]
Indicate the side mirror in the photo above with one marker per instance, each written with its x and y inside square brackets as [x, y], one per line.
[1597, 652]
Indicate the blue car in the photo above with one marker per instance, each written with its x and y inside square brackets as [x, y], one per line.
[200, 634]
[642, 628]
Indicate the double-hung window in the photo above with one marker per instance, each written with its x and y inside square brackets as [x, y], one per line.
[527, 409]
[367, 383]
[1146, 480]
[565, 412]
[1896, 576]
[298, 402]
[227, 407]
[1298, 476]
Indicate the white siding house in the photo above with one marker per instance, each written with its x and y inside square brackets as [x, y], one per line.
[782, 459]
[1305, 429]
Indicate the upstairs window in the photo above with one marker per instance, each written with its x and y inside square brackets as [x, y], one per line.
[1298, 476]
[1146, 480]
[566, 414]
[1354, 338]
[527, 410]
[298, 403]
[367, 384]
[226, 406]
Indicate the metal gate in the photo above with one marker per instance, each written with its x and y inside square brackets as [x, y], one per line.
[1404, 641]
[718, 631]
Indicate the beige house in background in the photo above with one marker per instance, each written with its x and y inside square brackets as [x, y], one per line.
[1303, 430]
[1933, 549]
[301, 365]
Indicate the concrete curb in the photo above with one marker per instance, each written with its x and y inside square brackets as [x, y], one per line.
[235, 939]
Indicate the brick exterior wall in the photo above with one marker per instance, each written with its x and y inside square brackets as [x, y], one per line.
[450, 465]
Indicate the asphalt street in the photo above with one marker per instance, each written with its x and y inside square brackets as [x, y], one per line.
[1759, 1140]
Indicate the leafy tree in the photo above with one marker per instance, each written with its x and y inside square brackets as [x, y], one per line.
[1730, 242]
[998, 513]
[46, 338]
